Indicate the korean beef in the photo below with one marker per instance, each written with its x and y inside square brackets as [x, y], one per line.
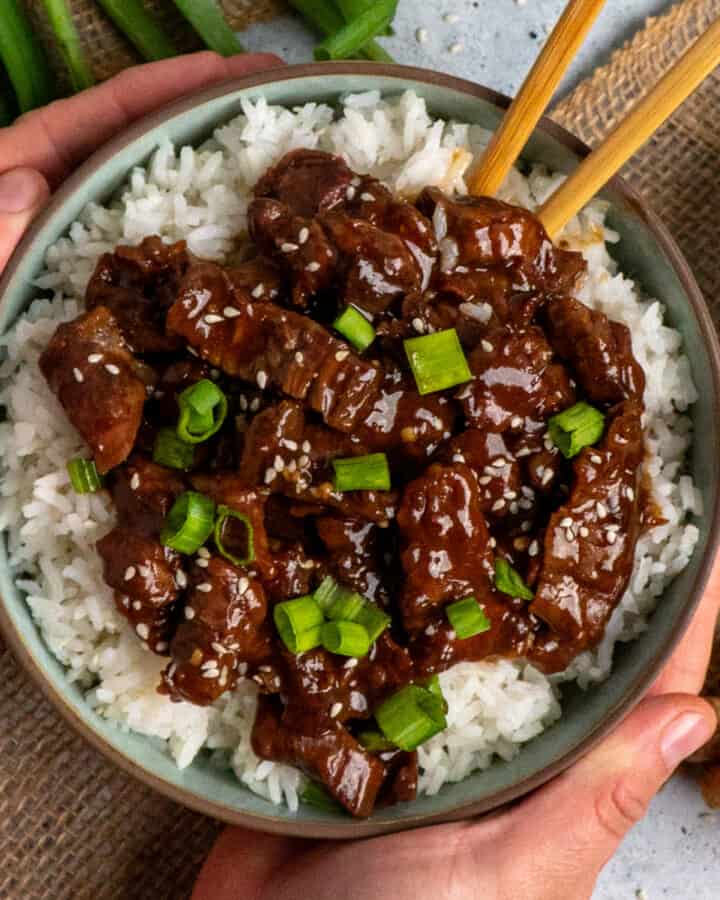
[388, 440]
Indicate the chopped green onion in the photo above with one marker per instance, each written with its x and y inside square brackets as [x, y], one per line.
[346, 639]
[437, 361]
[207, 19]
[353, 36]
[373, 620]
[169, 450]
[24, 58]
[346, 607]
[433, 685]
[84, 476]
[374, 742]
[467, 618]
[299, 623]
[68, 41]
[579, 426]
[353, 326]
[316, 795]
[411, 717]
[143, 32]
[509, 581]
[189, 523]
[203, 408]
[226, 542]
[362, 473]
[328, 592]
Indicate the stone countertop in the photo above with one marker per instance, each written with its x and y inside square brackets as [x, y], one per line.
[674, 852]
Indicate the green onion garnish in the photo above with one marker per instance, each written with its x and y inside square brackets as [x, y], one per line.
[362, 473]
[299, 623]
[203, 408]
[316, 795]
[189, 523]
[433, 685]
[353, 326]
[437, 361]
[227, 524]
[172, 452]
[84, 476]
[346, 639]
[346, 607]
[373, 620]
[467, 618]
[411, 717]
[509, 581]
[579, 426]
[374, 742]
[328, 592]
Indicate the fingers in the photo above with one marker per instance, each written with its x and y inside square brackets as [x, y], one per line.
[241, 863]
[570, 828]
[57, 137]
[686, 670]
[23, 193]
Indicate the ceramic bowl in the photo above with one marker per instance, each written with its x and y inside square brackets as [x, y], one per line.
[646, 251]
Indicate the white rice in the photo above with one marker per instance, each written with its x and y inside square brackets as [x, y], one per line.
[202, 195]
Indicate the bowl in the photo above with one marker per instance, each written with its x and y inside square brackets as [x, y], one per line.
[646, 252]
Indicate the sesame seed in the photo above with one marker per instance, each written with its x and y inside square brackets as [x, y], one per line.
[143, 631]
[601, 509]
[418, 325]
[270, 475]
[547, 476]
[630, 493]
[218, 648]
[255, 404]
[211, 673]
[533, 549]
[342, 355]
[498, 505]
[520, 543]
[312, 267]
[258, 290]
[303, 235]
[350, 193]
[499, 463]
[204, 587]
[451, 18]
[514, 508]
[525, 503]
[526, 525]
[486, 479]
[278, 463]
[145, 571]
[306, 448]
[161, 646]
[291, 445]
[584, 532]
[136, 605]
[212, 319]
[230, 312]
[368, 198]
[487, 346]
[129, 573]
[335, 710]
[523, 451]
[292, 466]
[527, 491]
[548, 443]
[204, 552]
[299, 358]
[516, 422]
[595, 459]
[135, 482]
[181, 580]
[243, 584]
[304, 461]
[203, 563]
[243, 402]
[126, 602]
[421, 35]
[78, 376]
[95, 358]
[222, 681]
[261, 379]
[112, 369]
[611, 537]
[510, 495]
[566, 522]
[289, 247]
[569, 534]
[492, 543]
[457, 47]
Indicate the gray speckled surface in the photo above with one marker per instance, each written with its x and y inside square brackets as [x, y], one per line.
[675, 852]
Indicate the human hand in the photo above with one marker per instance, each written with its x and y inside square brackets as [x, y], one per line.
[44, 146]
[551, 846]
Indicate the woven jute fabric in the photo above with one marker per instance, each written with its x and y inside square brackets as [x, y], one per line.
[71, 825]
[108, 51]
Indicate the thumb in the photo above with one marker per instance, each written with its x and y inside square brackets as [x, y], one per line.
[575, 823]
[23, 193]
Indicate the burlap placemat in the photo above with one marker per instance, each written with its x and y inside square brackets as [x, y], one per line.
[71, 825]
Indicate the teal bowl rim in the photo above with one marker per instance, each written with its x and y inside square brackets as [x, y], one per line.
[635, 689]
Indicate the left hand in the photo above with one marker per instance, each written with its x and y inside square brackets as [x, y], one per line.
[551, 846]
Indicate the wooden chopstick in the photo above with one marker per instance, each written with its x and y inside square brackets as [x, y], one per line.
[528, 106]
[627, 137]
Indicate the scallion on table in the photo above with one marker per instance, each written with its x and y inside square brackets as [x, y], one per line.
[138, 26]
[207, 19]
[68, 40]
[189, 523]
[24, 58]
[356, 34]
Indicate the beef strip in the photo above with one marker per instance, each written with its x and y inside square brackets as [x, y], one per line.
[99, 383]
[138, 285]
[590, 540]
[143, 493]
[307, 181]
[598, 349]
[225, 629]
[516, 383]
[355, 554]
[446, 555]
[145, 576]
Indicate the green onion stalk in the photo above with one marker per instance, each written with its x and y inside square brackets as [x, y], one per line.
[143, 32]
[324, 18]
[355, 34]
[207, 19]
[68, 39]
[24, 58]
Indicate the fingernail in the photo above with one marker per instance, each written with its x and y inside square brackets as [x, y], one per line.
[19, 190]
[683, 737]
